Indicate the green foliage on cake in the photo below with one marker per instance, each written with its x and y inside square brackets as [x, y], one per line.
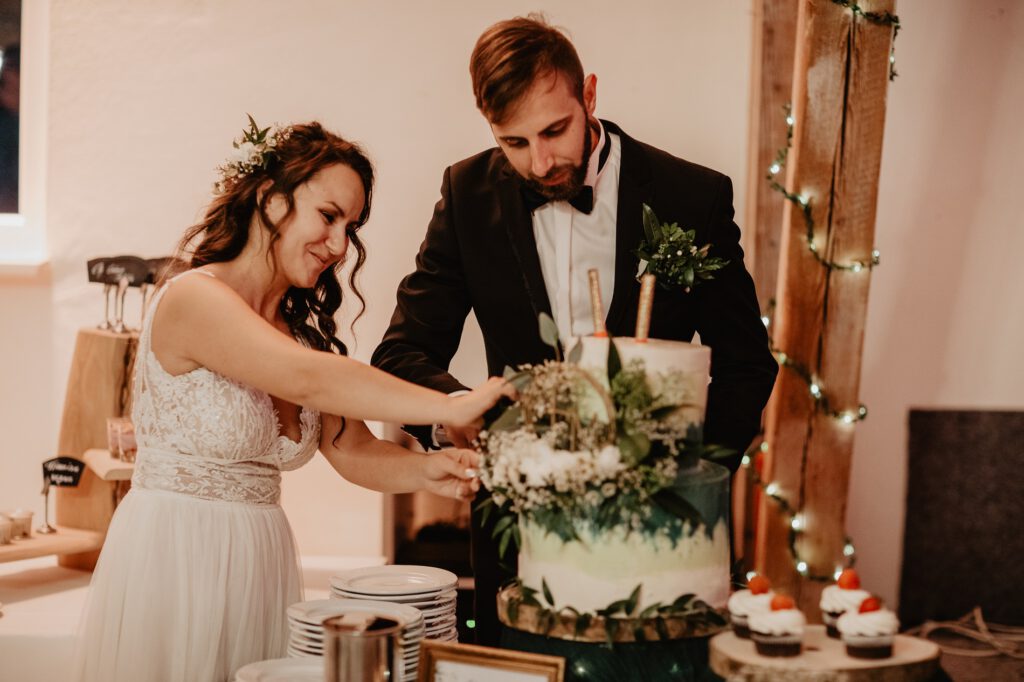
[583, 452]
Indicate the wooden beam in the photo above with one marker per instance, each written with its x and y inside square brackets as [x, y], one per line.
[771, 85]
[839, 89]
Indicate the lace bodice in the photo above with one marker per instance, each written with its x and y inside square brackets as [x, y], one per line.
[208, 436]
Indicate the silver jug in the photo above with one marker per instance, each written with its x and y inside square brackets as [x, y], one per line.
[361, 647]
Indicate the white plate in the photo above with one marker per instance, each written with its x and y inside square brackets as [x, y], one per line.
[315, 612]
[295, 653]
[283, 670]
[395, 580]
[420, 601]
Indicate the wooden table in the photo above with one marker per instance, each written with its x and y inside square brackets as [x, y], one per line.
[823, 658]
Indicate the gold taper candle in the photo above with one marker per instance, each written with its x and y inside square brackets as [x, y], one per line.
[596, 307]
[643, 313]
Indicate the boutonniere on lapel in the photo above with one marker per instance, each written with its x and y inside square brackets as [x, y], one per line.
[668, 253]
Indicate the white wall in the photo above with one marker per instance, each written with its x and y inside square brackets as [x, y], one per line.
[145, 98]
[945, 323]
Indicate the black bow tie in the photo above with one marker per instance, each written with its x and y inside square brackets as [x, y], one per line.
[582, 202]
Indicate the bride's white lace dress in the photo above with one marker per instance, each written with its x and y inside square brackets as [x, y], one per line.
[199, 563]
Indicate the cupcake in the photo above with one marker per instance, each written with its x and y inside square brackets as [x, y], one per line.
[780, 630]
[757, 598]
[868, 631]
[837, 599]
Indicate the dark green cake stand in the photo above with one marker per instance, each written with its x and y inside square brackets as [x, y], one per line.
[682, 655]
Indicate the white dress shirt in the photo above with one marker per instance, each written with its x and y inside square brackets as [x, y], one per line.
[570, 243]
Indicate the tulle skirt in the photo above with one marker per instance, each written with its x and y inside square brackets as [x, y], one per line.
[188, 590]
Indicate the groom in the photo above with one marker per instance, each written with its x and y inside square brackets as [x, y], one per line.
[517, 228]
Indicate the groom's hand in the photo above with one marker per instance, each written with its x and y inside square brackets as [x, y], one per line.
[459, 436]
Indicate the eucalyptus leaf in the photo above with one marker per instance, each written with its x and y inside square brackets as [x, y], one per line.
[508, 420]
[633, 599]
[503, 523]
[548, 330]
[650, 223]
[547, 592]
[576, 353]
[678, 506]
[503, 543]
[614, 361]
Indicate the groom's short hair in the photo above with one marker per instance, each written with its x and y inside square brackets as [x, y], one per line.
[510, 55]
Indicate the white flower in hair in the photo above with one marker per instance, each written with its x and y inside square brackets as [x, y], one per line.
[251, 151]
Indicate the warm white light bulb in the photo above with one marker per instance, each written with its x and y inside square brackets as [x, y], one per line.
[745, 461]
[848, 550]
[765, 320]
[797, 523]
[801, 567]
[857, 267]
[774, 168]
[815, 390]
[790, 120]
[838, 572]
[750, 574]
[847, 418]
[772, 489]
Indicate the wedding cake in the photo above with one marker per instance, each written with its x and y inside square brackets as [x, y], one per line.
[600, 462]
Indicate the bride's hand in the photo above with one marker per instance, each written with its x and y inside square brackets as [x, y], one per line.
[468, 409]
[452, 473]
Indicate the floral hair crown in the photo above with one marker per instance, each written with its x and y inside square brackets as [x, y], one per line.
[253, 150]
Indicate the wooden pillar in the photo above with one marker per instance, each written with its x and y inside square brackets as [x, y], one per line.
[839, 88]
[97, 388]
[771, 85]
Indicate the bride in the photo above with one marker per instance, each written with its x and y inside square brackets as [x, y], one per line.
[239, 376]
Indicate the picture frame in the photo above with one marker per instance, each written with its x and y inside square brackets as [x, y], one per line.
[452, 662]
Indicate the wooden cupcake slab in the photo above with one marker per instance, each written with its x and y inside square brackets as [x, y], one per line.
[823, 659]
[565, 625]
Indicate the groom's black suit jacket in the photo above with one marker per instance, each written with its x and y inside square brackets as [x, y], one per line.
[480, 254]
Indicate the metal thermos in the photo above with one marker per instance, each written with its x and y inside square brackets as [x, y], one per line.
[362, 648]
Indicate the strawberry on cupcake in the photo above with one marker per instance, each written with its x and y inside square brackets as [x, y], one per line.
[757, 598]
[839, 598]
[868, 631]
[780, 630]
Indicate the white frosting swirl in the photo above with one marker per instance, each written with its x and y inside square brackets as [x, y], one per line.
[835, 599]
[783, 622]
[870, 624]
[745, 602]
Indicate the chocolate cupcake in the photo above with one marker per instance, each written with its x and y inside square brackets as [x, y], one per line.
[779, 631]
[837, 599]
[869, 631]
[757, 598]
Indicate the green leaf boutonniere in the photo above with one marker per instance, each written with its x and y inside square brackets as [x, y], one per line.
[668, 253]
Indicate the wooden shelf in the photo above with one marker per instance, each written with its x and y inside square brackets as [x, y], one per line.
[108, 468]
[64, 541]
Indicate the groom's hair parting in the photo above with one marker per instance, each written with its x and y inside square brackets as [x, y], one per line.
[224, 231]
[511, 55]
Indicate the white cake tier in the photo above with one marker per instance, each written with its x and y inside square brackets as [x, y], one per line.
[592, 574]
[677, 367]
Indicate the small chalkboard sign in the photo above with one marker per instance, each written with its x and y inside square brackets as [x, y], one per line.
[63, 471]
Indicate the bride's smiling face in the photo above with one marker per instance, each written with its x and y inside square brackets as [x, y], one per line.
[315, 236]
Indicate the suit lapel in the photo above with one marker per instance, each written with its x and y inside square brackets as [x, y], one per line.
[519, 226]
[634, 191]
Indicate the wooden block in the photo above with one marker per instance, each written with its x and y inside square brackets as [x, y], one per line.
[107, 467]
[64, 541]
[98, 387]
[824, 658]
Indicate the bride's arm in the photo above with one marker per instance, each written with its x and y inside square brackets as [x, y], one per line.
[203, 321]
[381, 465]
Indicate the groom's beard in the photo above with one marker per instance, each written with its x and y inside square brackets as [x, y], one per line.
[564, 191]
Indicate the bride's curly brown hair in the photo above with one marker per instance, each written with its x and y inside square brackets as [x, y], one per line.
[224, 231]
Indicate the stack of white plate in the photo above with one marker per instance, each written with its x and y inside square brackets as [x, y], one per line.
[431, 590]
[282, 670]
[306, 619]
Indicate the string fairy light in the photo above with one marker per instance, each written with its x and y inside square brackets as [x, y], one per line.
[796, 520]
[879, 19]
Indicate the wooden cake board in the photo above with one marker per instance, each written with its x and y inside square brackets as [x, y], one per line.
[823, 658]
